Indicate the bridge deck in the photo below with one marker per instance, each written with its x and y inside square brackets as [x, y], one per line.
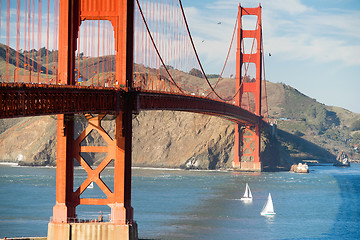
[22, 100]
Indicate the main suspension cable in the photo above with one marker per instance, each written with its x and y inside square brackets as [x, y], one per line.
[197, 56]
[156, 49]
[202, 70]
[227, 56]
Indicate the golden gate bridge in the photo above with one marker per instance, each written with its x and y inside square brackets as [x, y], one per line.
[119, 57]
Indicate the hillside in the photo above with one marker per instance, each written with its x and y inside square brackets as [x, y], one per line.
[328, 127]
[306, 130]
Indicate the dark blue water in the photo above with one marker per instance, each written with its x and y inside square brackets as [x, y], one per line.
[174, 204]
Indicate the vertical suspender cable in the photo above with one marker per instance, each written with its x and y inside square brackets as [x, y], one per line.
[33, 37]
[88, 42]
[86, 37]
[154, 45]
[78, 57]
[7, 74]
[264, 81]
[103, 52]
[55, 60]
[166, 38]
[29, 40]
[89, 52]
[47, 43]
[198, 60]
[143, 55]
[107, 55]
[17, 38]
[92, 46]
[85, 50]
[0, 26]
[39, 40]
[175, 42]
[153, 23]
[25, 37]
[160, 38]
[98, 53]
[29, 36]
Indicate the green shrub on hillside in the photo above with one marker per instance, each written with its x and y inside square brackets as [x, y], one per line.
[356, 136]
[321, 118]
[196, 72]
[355, 126]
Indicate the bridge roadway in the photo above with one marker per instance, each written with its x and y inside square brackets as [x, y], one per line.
[22, 100]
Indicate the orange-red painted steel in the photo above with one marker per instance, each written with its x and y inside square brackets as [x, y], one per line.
[173, 102]
[121, 14]
[248, 87]
[22, 100]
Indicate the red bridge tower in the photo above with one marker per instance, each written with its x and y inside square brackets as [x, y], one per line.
[247, 139]
[64, 224]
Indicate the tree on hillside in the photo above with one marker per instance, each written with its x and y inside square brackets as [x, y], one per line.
[196, 72]
[212, 75]
[321, 118]
[355, 126]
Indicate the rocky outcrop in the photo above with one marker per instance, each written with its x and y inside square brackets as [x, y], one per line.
[30, 140]
[173, 139]
[300, 168]
[342, 160]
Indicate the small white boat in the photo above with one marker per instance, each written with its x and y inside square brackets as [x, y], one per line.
[91, 185]
[268, 208]
[247, 195]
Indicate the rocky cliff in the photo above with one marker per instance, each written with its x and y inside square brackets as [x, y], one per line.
[160, 139]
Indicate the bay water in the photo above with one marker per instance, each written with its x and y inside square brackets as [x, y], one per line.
[179, 204]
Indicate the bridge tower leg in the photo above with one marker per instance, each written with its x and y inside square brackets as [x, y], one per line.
[247, 138]
[64, 224]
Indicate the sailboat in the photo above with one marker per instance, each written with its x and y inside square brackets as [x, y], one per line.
[247, 195]
[268, 208]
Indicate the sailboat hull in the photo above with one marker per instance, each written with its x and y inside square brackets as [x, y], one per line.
[267, 214]
[246, 199]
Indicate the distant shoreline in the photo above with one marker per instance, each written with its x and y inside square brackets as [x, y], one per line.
[14, 164]
[9, 163]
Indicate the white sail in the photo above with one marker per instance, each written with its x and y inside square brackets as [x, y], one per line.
[91, 185]
[268, 207]
[247, 194]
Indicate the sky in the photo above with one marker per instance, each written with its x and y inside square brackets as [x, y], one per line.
[314, 45]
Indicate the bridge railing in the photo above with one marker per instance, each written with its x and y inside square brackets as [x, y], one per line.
[98, 219]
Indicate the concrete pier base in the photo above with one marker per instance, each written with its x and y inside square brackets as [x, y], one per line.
[236, 165]
[248, 166]
[98, 231]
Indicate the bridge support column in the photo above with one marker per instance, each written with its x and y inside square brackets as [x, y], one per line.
[65, 225]
[237, 147]
[247, 156]
[247, 149]
[64, 208]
